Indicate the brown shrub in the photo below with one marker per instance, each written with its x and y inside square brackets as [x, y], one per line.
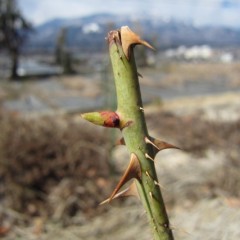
[196, 136]
[52, 166]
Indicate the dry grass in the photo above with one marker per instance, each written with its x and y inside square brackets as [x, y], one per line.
[51, 167]
[54, 172]
[197, 137]
[176, 73]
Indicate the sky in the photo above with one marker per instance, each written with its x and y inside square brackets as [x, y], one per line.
[198, 12]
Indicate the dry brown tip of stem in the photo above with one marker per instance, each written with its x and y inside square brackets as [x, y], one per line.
[113, 37]
[129, 38]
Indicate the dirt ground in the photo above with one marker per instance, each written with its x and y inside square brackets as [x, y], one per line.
[56, 170]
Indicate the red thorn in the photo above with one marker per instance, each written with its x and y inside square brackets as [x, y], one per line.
[133, 171]
[158, 144]
[129, 38]
[129, 191]
[120, 142]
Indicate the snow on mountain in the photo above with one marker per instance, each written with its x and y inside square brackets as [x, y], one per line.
[88, 33]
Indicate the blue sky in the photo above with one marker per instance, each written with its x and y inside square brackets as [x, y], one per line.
[199, 12]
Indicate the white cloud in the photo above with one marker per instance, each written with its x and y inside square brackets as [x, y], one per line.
[40, 11]
[200, 12]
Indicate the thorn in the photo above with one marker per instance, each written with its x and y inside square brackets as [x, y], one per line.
[148, 157]
[140, 75]
[158, 184]
[147, 173]
[126, 124]
[133, 171]
[120, 141]
[147, 140]
[151, 195]
[129, 38]
[163, 145]
[158, 144]
[130, 191]
[104, 202]
[173, 227]
[166, 225]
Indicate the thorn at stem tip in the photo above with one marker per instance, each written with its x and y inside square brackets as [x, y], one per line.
[129, 38]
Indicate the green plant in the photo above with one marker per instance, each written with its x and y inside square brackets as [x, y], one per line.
[130, 119]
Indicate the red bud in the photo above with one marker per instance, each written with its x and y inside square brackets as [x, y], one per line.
[111, 119]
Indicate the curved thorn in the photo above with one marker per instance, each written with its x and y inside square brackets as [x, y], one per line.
[133, 171]
[128, 38]
[163, 145]
[159, 144]
[129, 191]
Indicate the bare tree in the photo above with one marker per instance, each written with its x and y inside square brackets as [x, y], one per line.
[63, 55]
[13, 32]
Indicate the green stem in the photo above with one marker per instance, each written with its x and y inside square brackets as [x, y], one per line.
[130, 110]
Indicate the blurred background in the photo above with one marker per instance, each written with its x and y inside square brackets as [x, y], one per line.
[55, 168]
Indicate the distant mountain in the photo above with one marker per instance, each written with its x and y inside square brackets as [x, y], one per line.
[87, 34]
